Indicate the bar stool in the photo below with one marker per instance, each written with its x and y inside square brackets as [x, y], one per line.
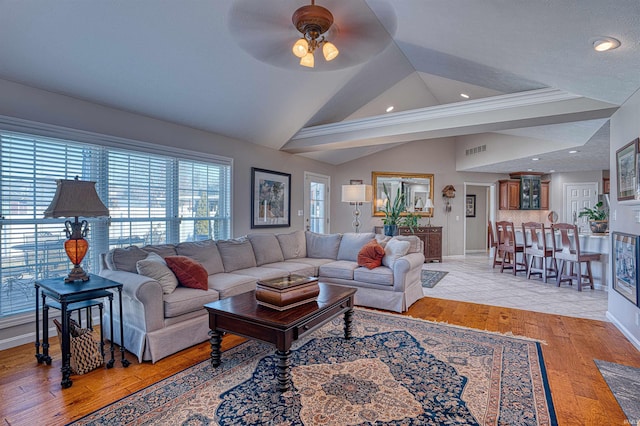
[536, 248]
[566, 248]
[510, 248]
[493, 244]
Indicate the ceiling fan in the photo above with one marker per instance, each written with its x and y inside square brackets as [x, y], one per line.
[348, 32]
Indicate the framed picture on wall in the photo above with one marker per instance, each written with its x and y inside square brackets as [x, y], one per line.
[270, 199]
[626, 170]
[470, 206]
[624, 249]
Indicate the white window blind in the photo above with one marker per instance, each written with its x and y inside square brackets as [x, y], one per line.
[152, 199]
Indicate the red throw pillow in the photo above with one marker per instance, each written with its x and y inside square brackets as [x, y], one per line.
[189, 272]
[371, 255]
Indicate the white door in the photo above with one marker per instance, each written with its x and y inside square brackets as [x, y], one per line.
[316, 203]
[576, 197]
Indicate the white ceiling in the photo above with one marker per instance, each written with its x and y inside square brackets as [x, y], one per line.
[225, 66]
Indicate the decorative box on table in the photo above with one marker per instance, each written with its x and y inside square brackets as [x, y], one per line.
[285, 293]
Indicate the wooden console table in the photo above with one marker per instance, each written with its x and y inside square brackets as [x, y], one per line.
[431, 237]
[242, 315]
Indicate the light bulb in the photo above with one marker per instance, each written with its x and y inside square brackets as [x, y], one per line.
[307, 60]
[330, 51]
[300, 48]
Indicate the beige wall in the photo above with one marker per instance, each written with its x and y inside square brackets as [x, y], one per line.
[435, 156]
[625, 127]
[476, 227]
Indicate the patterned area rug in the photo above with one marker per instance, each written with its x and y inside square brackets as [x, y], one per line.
[624, 382]
[431, 278]
[395, 370]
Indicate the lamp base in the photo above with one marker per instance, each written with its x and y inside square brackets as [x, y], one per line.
[76, 274]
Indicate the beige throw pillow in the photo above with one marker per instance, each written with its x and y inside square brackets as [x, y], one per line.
[394, 250]
[154, 266]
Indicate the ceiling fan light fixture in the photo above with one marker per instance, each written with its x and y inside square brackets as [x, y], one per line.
[307, 60]
[301, 47]
[313, 21]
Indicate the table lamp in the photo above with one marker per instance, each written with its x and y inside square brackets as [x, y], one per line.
[76, 198]
[428, 205]
[356, 194]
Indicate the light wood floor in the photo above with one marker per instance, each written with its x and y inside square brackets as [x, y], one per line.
[30, 394]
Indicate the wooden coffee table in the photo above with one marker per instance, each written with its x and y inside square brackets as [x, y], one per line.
[242, 315]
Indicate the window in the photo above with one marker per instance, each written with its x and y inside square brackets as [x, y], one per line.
[152, 199]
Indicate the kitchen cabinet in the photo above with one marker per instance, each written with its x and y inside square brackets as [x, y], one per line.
[509, 194]
[544, 195]
[526, 193]
[530, 193]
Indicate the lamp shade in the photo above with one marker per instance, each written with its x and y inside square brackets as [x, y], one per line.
[75, 198]
[428, 204]
[357, 193]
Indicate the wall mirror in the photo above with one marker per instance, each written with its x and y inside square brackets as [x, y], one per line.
[416, 187]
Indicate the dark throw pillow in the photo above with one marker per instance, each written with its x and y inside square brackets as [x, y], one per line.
[189, 272]
[370, 255]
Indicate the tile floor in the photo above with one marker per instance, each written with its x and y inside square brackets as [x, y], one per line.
[472, 279]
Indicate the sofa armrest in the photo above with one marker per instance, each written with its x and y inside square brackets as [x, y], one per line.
[142, 302]
[406, 269]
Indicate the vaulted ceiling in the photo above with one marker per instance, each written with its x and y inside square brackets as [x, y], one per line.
[225, 66]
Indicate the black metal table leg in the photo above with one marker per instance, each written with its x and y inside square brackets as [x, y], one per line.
[111, 361]
[125, 362]
[66, 348]
[38, 355]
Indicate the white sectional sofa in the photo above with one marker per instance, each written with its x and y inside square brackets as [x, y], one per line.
[161, 319]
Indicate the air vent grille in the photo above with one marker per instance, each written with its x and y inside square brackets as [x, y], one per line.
[476, 150]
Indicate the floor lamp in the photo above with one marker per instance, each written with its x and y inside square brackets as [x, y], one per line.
[356, 194]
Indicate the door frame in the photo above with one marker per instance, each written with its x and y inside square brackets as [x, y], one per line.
[308, 178]
[491, 207]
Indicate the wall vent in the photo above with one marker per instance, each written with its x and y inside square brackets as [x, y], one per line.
[476, 150]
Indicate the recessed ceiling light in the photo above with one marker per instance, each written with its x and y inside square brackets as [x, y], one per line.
[535, 159]
[551, 171]
[602, 44]
[464, 95]
[573, 151]
[529, 170]
[390, 108]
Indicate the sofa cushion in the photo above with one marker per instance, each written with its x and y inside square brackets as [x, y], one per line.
[236, 254]
[206, 252]
[293, 245]
[262, 272]
[322, 246]
[382, 239]
[393, 250]
[266, 248]
[351, 243]
[125, 259]
[370, 255]
[231, 284]
[380, 275]
[163, 250]
[189, 272]
[185, 300]
[338, 269]
[293, 268]
[154, 266]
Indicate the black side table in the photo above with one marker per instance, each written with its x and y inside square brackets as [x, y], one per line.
[69, 297]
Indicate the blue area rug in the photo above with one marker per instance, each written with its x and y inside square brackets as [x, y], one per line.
[395, 370]
[431, 278]
[624, 382]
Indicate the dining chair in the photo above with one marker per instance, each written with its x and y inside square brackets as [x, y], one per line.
[566, 250]
[540, 260]
[493, 245]
[510, 248]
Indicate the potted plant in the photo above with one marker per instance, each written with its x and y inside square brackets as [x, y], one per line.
[598, 218]
[392, 211]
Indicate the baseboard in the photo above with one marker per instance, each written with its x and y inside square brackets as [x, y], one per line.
[630, 337]
[30, 338]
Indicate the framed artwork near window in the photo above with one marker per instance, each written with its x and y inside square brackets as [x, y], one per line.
[624, 249]
[270, 199]
[627, 170]
[470, 206]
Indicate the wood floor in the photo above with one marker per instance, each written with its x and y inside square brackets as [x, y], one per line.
[30, 394]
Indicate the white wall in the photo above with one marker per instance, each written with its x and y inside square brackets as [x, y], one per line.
[436, 156]
[625, 127]
[476, 227]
